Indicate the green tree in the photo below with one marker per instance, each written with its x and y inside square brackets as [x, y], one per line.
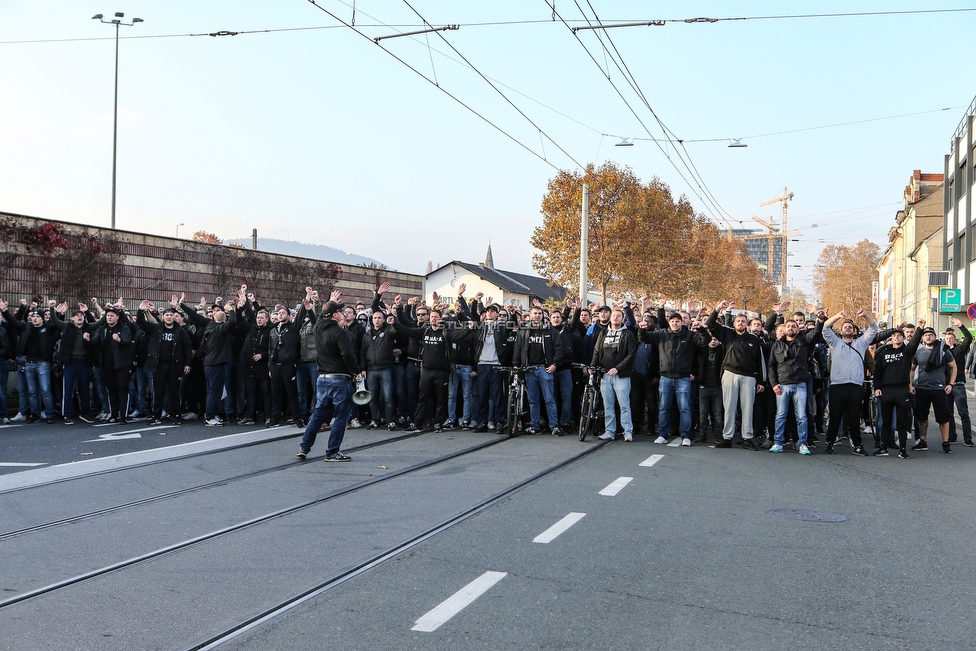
[844, 275]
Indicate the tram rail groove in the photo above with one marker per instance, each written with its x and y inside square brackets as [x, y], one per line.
[64, 583]
[257, 619]
[186, 491]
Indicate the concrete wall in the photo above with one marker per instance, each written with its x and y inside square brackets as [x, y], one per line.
[137, 266]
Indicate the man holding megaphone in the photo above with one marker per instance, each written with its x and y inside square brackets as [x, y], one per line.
[338, 367]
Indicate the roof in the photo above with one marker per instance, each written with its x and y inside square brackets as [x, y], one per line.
[513, 282]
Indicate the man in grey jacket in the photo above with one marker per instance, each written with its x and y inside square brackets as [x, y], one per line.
[847, 377]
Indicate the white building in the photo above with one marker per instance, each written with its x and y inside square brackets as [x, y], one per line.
[959, 229]
[503, 287]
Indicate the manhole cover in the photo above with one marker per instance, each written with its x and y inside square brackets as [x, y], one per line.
[808, 516]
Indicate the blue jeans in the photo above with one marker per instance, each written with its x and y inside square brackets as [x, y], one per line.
[564, 387]
[671, 390]
[333, 401]
[24, 391]
[216, 384]
[489, 392]
[39, 386]
[380, 385]
[462, 376]
[538, 382]
[140, 390]
[797, 394]
[306, 373]
[616, 390]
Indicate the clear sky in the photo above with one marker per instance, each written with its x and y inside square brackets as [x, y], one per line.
[320, 135]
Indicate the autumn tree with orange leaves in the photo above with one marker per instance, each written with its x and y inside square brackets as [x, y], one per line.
[844, 275]
[209, 238]
[642, 242]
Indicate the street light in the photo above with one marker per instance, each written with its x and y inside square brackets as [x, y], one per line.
[117, 20]
[178, 229]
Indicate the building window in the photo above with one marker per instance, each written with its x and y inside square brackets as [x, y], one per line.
[961, 186]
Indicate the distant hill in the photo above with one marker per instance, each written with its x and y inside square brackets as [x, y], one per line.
[302, 250]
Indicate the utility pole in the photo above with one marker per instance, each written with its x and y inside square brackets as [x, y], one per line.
[584, 245]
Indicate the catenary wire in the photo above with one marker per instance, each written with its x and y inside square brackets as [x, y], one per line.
[440, 88]
[495, 88]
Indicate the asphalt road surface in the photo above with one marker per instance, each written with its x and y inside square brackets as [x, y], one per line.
[188, 537]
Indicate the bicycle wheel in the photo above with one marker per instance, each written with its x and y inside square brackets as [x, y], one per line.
[514, 411]
[586, 413]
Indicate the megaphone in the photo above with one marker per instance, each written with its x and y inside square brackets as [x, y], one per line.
[362, 396]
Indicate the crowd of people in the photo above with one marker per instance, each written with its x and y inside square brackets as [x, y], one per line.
[717, 377]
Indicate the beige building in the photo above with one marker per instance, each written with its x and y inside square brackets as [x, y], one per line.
[914, 248]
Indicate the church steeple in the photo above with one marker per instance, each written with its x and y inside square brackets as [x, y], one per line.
[489, 261]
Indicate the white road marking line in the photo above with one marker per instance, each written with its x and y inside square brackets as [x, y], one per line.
[651, 460]
[553, 532]
[616, 486]
[457, 602]
[11, 464]
[129, 434]
[10, 425]
[675, 443]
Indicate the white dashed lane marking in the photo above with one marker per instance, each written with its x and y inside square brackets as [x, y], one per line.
[552, 532]
[616, 486]
[457, 602]
[651, 460]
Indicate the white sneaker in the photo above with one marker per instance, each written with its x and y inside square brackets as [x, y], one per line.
[686, 443]
[18, 418]
[354, 424]
[213, 422]
[660, 440]
[606, 436]
[628, 437]
[491, 425]
[190, 416]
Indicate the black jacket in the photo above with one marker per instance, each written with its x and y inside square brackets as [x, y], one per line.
[256, 342]
[334, 348]
[743, 353]
[158, 336]
[789, 361]
[376, 350]
[215, 343]
[676, 350]
[615, 349]
[551, 345]
[47, 334]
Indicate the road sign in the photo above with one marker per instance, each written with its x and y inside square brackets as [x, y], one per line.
[950, 299]
[972, 311]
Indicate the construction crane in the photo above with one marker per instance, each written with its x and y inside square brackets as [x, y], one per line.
[786, 197]
[774, 233]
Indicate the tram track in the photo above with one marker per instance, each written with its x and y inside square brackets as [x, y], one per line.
[183, 491]
[282, 606]
[197, 540]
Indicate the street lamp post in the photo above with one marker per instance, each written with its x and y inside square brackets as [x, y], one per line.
[117, 20]
[178, 229]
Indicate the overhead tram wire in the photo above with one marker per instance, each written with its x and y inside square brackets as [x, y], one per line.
[503, 23]
[634, 112]
[709, 205]
[693, 170]
[670, 135]
[495, 88]
[440, 88]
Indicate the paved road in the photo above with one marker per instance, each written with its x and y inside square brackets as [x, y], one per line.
[682, 552]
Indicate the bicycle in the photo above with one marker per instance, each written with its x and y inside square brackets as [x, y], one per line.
[514, 410]
[591, 393]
